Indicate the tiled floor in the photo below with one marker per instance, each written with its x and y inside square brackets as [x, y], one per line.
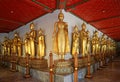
[7, 76]
[109, 74]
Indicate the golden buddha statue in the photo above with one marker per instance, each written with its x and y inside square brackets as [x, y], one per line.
[96, 43]
[19, 46]
[75, 41]
[4, 45]
[15, 40]
[9, 47]
[108, 46]
[60, 37]
[32, 36]
[88, 48]
[27, 44]
[83, 40]
[41, 44]
[103, 45]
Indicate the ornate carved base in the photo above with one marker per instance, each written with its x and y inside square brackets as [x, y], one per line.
[40, 64]
[63, 67]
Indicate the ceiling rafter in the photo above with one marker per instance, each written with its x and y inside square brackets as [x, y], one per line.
[12, 21]
[62, 4]
[93, 21]
[46, 8]
[72, 7]
[58, 3]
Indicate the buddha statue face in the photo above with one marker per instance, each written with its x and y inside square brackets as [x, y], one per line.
[5, 38]
[75, 29]
[103, 35]
[26, 35]
[40, 32]
[83, 26]
[16, 34]
[96, 33]
[32, 26]
[60, 16]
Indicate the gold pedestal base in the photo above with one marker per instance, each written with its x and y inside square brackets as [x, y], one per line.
[63, 67]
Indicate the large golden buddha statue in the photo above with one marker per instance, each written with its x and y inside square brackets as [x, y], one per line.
[60, 37]
[75, 41]
[27, 44]
[32, 36]
[41, 44]
[83, 40]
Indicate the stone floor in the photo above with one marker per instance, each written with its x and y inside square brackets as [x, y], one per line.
[7, 76]
[109, 74]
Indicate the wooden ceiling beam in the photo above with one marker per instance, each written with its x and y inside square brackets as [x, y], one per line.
[61, 4]
[72, 7]
[12, 21]
[93, 21]
[46, 8]
[58, 4]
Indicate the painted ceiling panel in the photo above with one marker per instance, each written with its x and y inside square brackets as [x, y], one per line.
[108, 23]
[95, 10]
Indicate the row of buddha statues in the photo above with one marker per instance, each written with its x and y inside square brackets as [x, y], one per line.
[15, 45]
[81, 42]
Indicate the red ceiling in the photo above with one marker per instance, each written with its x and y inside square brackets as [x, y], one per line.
[102, 14]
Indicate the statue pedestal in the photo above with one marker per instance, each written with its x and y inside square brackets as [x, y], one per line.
[63, 67]
[40, 64]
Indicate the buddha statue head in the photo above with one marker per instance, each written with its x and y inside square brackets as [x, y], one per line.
[26, 35]
[5, 38]
[16, 34]
[83, 26]
[103, 35]
[40, 31]
[60, 16]
[96, 33]
[75, 28]
[32, 26]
